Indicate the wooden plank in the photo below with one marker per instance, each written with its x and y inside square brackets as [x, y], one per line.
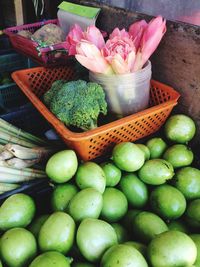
[19, 12]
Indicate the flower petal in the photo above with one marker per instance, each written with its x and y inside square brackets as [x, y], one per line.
[94, 36]
[119, 33]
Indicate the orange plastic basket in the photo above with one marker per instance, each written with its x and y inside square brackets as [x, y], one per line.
[91, 144]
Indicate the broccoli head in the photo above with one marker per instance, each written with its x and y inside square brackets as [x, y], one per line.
[78, 103]
[49, 95]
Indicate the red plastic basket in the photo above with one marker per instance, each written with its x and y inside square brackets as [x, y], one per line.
[49, 56]
[91, 144]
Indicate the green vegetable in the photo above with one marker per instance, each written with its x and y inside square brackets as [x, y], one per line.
[77, 103]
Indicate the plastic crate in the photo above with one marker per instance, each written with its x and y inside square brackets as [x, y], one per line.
[5, 46]
[39, 189]
[48, 56]
[96, 142]
[10, 94]
[27, 118]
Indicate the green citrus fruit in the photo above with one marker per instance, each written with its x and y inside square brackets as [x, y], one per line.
[87, 203]
[18, 247]
[90, 174]
[62, 166]
[146, 225]
[180, 128]
[135, 190]
[17, 210]
[193, 213]
[115, 205]
[128, 156]
[157, 147]
[156, 171]
[196, 239]
[168, 202]
[187, 180]
[57, 233]
[137, 245]
[123, 256]
[178, 225]
[179, 155]
[94, 237]
[61, 196]
[50, 259]
[37, 223]
[121, 232]
[112, 173]
[146, 151]
[172, 249]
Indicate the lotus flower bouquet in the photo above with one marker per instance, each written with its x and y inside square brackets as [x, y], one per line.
[120, 64]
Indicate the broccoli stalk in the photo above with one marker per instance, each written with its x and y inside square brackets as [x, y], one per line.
[78, 103]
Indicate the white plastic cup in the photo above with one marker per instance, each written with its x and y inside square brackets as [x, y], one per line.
[125, 93]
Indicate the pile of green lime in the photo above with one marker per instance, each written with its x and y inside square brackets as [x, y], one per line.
[141, 208]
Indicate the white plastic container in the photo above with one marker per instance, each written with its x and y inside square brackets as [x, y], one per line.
[126, 93]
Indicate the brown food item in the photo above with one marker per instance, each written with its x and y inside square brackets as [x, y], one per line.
[49, 34]
[25, 33]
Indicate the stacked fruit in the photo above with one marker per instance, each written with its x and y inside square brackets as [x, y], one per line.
[141, 208]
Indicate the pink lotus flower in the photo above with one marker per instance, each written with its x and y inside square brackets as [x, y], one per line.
[91, 57]
[124, 52]
[94, 36]
[73, 38]
[120, 53]
[151, 38]
[136, 31]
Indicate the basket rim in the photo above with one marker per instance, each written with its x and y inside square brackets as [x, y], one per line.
[72, 136]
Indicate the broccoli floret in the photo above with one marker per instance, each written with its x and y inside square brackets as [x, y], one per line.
[49, 95]
[79, 104]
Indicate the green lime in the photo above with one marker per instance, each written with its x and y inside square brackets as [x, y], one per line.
[115, 205]
[156, 171]
[179, 155]
[94, 237]
[18, 247]
[157, 147]
[196, 239]
[57, 233]
[193, 213]
[50, 259]
[172, 249]
[139, 246]
[178, 225]
[128, 156]
[180, 128]
[17, 210]
[61, 196]
[37, 223]
[146, 151]
[135, 190]
[112, 173]
[87, 203]
[146, 225]
[187, 180]
[123, 256]
[121, 232]
[62, 166]
[90, 174]
[168, 202]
